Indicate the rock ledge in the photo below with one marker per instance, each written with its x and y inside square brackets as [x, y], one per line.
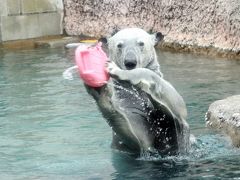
[224, 115]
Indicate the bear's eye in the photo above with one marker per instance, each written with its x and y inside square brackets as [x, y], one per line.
[140, 43]
[120, 45]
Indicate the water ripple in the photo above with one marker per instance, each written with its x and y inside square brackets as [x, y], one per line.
[50, 128]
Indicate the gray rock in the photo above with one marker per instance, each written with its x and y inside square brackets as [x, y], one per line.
[58, 42]
[224, 115]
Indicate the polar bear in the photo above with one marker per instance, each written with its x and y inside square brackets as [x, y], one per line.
[145, 112]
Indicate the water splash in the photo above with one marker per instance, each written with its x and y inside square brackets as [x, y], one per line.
[205, 147]
[133, 91]
[68, 73]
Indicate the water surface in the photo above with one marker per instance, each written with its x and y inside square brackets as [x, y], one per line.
[50, 128]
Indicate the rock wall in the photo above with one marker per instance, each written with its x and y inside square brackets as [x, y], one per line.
[23, 19]
[197, 25]
[224, 115]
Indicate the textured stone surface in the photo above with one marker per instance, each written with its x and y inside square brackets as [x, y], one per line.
[23, 19]
[224, 115]
[19, 27]
[28, 6]
[45, 6]
[30, 26]
[3, 8]
[50, 23]
[14, 7]
[186, 23]
[38, 6]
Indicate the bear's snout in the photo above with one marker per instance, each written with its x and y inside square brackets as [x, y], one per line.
[130, 60]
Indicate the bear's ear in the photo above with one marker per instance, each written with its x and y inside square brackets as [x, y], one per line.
[157, 37]
[104, 40]
[115, 31]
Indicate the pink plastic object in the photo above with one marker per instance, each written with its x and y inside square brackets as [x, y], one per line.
[91, 62]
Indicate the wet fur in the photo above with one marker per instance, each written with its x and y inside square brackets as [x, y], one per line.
[160, 122]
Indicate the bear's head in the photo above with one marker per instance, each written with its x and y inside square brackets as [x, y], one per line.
[133, 48]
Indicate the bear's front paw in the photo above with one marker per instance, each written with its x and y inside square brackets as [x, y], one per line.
[113, 69]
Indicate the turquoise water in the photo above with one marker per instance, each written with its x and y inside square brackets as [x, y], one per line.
[50, 128]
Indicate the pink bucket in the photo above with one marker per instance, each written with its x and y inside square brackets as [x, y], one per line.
[91, 62]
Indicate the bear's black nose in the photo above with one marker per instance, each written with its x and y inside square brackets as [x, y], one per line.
[130, 64]
[130, 60]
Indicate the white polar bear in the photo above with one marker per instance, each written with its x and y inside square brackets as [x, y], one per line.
[146, 113]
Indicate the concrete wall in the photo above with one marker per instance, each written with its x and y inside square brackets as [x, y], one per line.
[24, 19]
[187, 24]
